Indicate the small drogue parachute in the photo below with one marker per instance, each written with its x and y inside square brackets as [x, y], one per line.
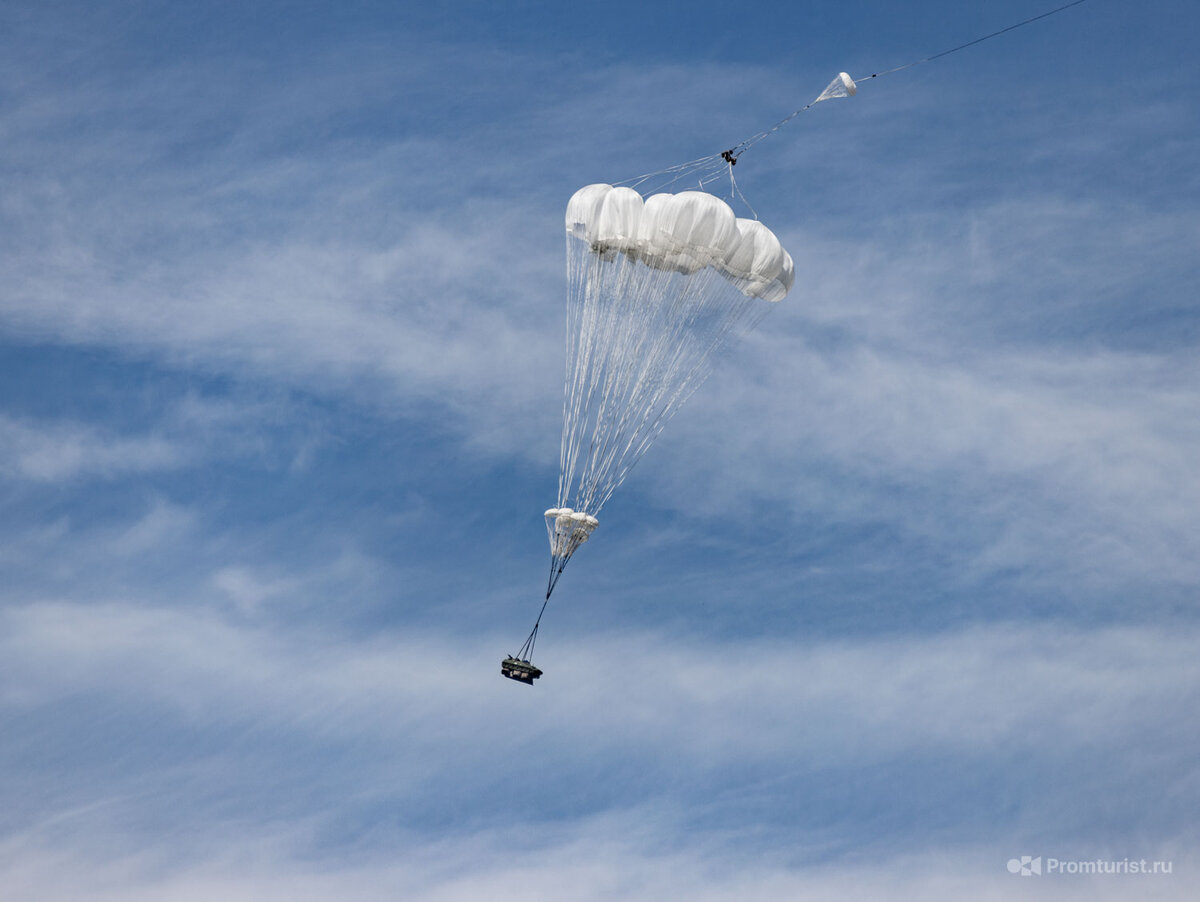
[842, 86]
[655, 289]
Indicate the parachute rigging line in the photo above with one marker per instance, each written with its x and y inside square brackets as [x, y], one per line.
[716, 166]
[526, 651]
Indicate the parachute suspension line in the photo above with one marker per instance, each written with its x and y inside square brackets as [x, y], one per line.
[557, 563]
[710, 167]
[680, 171]
[645, 341]
[705, 169]
[525, 653]
[735, 189]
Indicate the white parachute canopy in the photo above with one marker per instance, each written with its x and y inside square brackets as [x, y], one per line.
[655, 289]
[842, 86]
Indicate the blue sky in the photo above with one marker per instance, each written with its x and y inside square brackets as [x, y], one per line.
[907, 589]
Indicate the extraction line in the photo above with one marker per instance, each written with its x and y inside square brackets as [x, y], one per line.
[710, 168]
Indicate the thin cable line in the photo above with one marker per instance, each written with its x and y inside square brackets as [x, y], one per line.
[716, 169]
[986, 37]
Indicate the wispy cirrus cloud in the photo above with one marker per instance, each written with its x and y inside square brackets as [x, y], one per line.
[902, 387]
[606, 858]
[62, 451]
[967, 693]
[167, 430]
[775, 729]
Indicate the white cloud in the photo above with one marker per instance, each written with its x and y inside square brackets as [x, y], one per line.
[619, 856]
[181, 431]
[1097, 719]
[863, 700]
[57, 451]
[249, 589]
[897, 389]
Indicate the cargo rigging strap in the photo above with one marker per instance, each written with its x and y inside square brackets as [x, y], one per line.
[526, 651]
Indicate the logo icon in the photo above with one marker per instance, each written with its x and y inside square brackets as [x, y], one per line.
[1026, 865]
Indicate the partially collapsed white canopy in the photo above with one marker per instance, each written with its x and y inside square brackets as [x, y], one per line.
[568, 530]
[684, 232]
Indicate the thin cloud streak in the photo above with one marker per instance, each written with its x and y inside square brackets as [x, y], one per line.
[1045, 695]
[64, 451]
[597, 870]
[949, 691]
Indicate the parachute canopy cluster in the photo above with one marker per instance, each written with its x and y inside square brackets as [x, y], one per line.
[684, 232]
[655, 289]
[568, 529]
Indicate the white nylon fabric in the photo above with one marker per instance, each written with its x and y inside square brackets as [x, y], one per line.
[655, 289]
[759, 265]
[842, 86]
[568, 530]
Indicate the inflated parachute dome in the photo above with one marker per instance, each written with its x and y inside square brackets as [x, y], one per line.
[655, 289]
